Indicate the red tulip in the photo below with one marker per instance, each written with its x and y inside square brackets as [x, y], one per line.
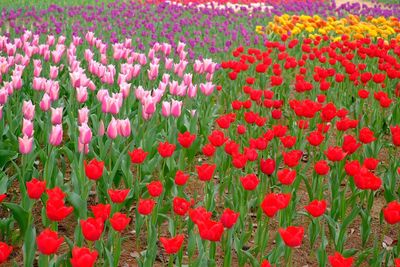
[118, 195]
[56, 210]
[286, 176]
[396, 262]
[217, 138]
[119, 221]
[249, 182]
[350, 144]
[35, 188]
[166, 149]
[274, 202]
[316, 207]
[392, 212]
[337, 260]
[395, 130]
[181, 205]
[137, 156]
[366, 180]
[181, 178]
[366, 135]
[208, 150]
[229, 218]
[48, 242]
[56, 193]
[371, 163]
[352, 167]
[94, 169]
[267, 166]
[292, 236]
[2, 197]
[315, 138]
[335, 153]
[199, 214]
[83, 257]
[101, 211]
[265, 263]
[92, 228]
[145, 206]
[5, 251]
[239, 161]
[210, 230]
[186, 139]
[172, 245]
[292, 158]
[205, 171]
[288, 141]
[321, 167]
[155, 188]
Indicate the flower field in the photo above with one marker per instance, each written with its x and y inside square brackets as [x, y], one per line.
[198, 133]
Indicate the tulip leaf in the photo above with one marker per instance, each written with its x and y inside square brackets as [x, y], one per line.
[29, 246]
[79, 204]
[19, 214]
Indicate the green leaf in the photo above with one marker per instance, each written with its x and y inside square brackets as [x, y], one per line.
[19, 214]
[29, 247]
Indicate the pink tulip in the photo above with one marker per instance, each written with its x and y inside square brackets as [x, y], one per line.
[81, 94]
[151, 54]
[54, 89]
[53, 72]
[187, 79]
[149, 105]
[165, 78]
[101, 94]
[166, 109]
[45, 103]
[166, 49]
[50, 40]
[142, 59]
[76, 40]
[125, 89]
[61, 39]
[173, 87]
[28, 110]
[153, 71]
[16, 82]
[193, 112]
[169, 63]
[182, 55]
[198, 66]
[207, 88]
[82, 148]
[176, 108]
[27, 127]
[56, 135]
[192, 91]
[140, 93]
[56, 115]
[136, 70]
[124, 128]
[101, 128]
[89, 37]
[37, 83]
[162, 86]
[181, 90]
[3, 96]
[85, 134]
[37, 67]
[112, 129]
[83, 115]
[25, 144]
[180, 47]
[56, 55]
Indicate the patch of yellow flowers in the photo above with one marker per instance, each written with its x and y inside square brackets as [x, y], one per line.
[313, 26]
